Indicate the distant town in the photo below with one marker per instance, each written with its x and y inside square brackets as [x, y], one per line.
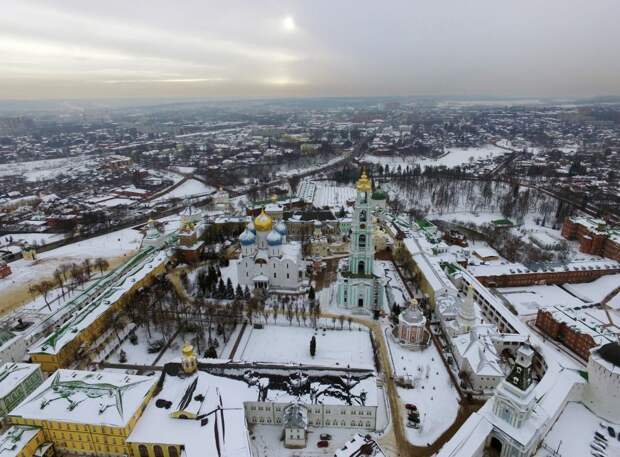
[303, 277]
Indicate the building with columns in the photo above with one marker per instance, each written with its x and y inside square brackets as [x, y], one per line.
[358, 287]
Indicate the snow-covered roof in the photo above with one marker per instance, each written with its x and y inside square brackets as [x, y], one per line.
[158, 426]
[138, 268]
[11, 374]
[86, 397]
[359, 446]
[478, 349]
[13, 441]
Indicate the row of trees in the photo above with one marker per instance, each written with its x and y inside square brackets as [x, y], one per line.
[67, 277]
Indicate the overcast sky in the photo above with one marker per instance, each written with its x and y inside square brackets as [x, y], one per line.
[202, 48]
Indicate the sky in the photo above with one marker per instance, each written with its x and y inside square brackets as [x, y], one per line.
[59, 49]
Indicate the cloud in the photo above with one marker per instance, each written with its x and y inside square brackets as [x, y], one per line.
[348, 47]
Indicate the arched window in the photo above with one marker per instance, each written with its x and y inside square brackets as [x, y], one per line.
[158, 451]
[144, 452]
[361, 267]
[363, 216]
[361, 241]
[172, 451]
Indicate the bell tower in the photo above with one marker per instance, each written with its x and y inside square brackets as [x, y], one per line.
[362, 249]
[189, 362]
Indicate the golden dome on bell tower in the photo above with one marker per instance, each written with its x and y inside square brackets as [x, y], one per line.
[364, 184]
[263, 222]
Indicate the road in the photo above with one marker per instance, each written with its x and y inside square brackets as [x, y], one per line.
[394, 441]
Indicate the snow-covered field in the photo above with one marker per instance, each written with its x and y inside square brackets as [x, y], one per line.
[291, 344]
[33, 238]
[453, 157]
[114, 244]
[47, 169]
[434, 395]
[528, 300]
[190, 188]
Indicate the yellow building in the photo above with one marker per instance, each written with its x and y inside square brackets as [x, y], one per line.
[86, 413]
[24, 441]
[193, 414]
[88, 327]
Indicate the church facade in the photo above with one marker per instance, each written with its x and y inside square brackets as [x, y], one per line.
[268, 260]
[358, 287]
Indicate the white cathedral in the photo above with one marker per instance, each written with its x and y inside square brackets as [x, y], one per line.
[359, 288]
[268, 260]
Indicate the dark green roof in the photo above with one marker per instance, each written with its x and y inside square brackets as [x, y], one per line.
[379, 194]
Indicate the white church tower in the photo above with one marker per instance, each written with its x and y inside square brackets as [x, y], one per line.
[466, 316]
[358, 287]
[514, 403]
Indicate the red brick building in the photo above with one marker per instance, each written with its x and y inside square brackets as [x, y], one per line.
[570, 330]
[594, 235]
[570, 275]
[5, 269]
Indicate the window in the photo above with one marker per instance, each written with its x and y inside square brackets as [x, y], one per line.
[361, 266]
[144, 452]
[361, 241]
[363, 216]
[158, 451]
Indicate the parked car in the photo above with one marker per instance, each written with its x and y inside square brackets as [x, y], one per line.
[411, 406]
[325, 436]
[322, 443]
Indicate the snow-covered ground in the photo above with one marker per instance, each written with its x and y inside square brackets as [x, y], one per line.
[596, 290]
[48, 168]
[190, 188]
[265, 442]
[137, 354]
[327, 194]
[573, 433]
[114, 244]
[453, 157]
[528, 300]
[291, 344]
[32, 238]
[434, 394]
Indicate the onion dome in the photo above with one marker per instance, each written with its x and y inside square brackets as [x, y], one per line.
[247, 237]
[187, 350]
[364, 184]
[251, 227]
[263, 222]
[379, 194]
[281, 228]
[274, 238]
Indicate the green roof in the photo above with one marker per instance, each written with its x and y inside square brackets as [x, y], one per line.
[379, 194]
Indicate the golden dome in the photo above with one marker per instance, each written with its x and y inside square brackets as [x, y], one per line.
[263, 222]
[364, 184]
[187, 350]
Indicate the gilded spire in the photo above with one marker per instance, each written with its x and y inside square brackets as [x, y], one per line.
[364, 184]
